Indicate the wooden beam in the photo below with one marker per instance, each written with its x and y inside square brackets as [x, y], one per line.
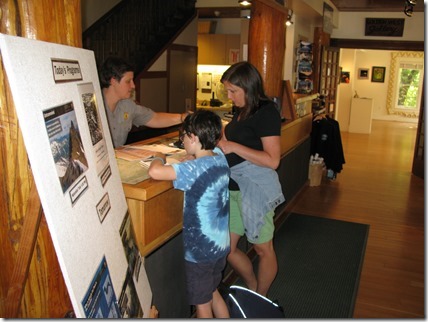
[378, 44]
[27, 242]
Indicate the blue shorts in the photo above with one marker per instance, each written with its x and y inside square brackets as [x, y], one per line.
[237, 225]
[202, 280]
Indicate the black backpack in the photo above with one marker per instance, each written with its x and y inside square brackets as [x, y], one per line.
[244, 303]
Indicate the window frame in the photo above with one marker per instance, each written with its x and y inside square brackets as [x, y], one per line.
[397, 59]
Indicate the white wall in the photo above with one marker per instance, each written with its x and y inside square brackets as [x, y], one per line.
[344, 90]
[353, 59]
[367, 88]
[188, 37]
[92, 10]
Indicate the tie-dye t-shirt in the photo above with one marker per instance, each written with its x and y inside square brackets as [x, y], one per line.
[206, 207]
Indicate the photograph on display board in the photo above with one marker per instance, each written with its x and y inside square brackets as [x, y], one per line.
[100, 298]
[66, 145]
[131, 250]
[92, 117]
[129, 304]
[90, 106]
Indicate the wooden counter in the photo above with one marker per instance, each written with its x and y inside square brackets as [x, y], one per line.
[295, 132]
[156, 208]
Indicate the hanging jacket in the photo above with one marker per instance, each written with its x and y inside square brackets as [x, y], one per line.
[327, 142]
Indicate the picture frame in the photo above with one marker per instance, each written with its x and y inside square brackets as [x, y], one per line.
[363, 73]
[378, 74]
[345, 77]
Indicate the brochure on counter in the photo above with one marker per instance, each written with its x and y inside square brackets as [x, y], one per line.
[131, 159]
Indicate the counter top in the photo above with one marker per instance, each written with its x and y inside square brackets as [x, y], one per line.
[292, 133]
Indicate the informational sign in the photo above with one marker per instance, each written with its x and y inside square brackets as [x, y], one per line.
[61, 114]
[385, 27]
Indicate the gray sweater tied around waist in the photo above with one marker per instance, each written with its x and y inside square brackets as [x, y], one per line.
[261, 192]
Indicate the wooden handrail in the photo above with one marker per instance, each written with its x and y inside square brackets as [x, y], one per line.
[27, 242]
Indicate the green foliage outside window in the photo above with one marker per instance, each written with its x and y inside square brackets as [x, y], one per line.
[408, 88]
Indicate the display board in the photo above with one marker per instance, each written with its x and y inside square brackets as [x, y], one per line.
[61, 114]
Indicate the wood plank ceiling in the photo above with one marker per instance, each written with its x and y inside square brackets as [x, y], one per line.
[376, 5]
[342, 5]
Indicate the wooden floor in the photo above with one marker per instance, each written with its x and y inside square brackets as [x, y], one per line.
[376, 187]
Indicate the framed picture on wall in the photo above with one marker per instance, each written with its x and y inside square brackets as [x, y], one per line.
[345, 77]
[378, 74]
[363, 73]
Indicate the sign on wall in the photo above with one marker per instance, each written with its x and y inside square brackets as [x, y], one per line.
[62, 118]
[389, 27]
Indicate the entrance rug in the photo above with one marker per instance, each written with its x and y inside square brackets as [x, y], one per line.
[319, 266]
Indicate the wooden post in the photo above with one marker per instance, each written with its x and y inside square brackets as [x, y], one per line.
[44, 294]
[266, 43]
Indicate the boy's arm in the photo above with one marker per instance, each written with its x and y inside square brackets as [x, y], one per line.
[159, 171]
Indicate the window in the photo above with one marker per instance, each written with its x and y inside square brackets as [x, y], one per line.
[409, 85]
[405, 83]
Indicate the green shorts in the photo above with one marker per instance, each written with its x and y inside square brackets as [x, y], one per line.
[237, 225]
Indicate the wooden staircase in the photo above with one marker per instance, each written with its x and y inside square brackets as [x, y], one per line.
[138, 30]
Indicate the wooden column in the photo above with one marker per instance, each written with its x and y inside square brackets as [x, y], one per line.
[266, 43]
[31, 282]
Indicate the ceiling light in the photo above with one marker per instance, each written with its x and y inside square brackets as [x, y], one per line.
[245, 3]
[408, 11]
[290, 14]
[408, 7]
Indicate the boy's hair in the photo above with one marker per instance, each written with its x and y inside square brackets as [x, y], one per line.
[113, 67]
[206, 125]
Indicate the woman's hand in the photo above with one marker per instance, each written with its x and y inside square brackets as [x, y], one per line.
[224, 145]
[268, 157]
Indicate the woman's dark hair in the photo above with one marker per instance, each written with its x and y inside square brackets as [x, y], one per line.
[206, 125]
[247, 77]
[113, 67]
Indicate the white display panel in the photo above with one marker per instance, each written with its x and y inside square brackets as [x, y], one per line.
[61, 115]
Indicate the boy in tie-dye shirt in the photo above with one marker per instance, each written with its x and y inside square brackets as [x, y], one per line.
[205, 181]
